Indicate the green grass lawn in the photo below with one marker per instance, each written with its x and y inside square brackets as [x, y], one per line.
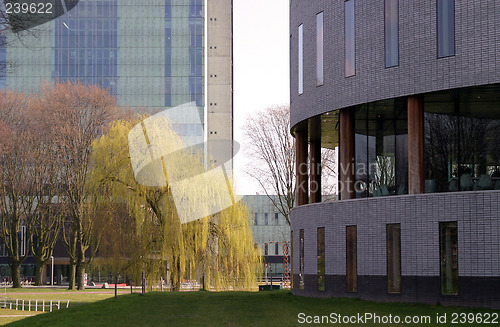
[277, 308]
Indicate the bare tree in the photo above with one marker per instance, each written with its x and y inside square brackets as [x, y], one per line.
[16, 187]
[46, 223]
[80, 114]
[271, 149]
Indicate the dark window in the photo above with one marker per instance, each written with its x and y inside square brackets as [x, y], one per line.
[391, 33]
[446, 27]
[448, 243]
[393, 258]
[461, 151]
[349, 38]
[301, 59]
[381, 137]
[291, 254]
[319, 49]
[255, 220]
[276, 248]
[266, 219]
[276, 219]
[351, 259]
[266, 249]
[321, 258]
[301, 259]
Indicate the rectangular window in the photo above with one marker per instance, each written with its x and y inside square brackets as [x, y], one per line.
[266, 219]
[291, 254]
[255, 220]
[393, 232]
[349, 39]
[301, 259]
[321, 258]
[276, 248]
[266, 249]
[276, 219]
[301, 60]
[319, 49]
[448, 244]
[290, 67]
[391, 33]
[351, 259]
[446, 28]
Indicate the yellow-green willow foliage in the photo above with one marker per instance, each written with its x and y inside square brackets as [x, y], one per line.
[150, 235]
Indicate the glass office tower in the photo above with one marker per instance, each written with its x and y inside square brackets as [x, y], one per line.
[149, 54]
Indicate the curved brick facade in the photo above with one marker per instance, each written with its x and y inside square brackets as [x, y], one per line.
[439, 232]
[476, 62]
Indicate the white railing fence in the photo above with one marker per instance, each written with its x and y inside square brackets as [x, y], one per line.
[33, 305]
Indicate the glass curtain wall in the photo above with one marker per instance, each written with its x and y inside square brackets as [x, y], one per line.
[381, 141]
[462, 150]
[86, 45]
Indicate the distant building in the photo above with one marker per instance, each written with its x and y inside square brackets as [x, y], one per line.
[151, 55]
[270, 231]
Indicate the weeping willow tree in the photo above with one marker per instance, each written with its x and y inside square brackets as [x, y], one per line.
[172, 226]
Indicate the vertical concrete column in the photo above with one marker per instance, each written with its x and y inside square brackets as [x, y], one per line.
[302, 187]
[416, 177]
[315, 160]
[347, 152]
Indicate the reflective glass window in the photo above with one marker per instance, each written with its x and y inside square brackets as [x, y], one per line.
[446, 27]
[349, 38]
[321, 258]
[301, 259]
[462, 152]
[393, 258]
[448, 244]
[391, 33]
[351, 259]
[301, 59]
[381, 148]
[266, 219]
[319, 49]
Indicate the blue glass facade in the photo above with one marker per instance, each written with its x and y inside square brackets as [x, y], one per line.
[196, 21]
[3, 61]
[149, 55]
[86, 45]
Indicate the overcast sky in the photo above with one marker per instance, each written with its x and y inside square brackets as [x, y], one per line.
[261, 68]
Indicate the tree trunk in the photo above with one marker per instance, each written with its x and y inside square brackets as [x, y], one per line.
[40, 265]
[175, 278]
[80, 275]
[72, 275]
[16, 273]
